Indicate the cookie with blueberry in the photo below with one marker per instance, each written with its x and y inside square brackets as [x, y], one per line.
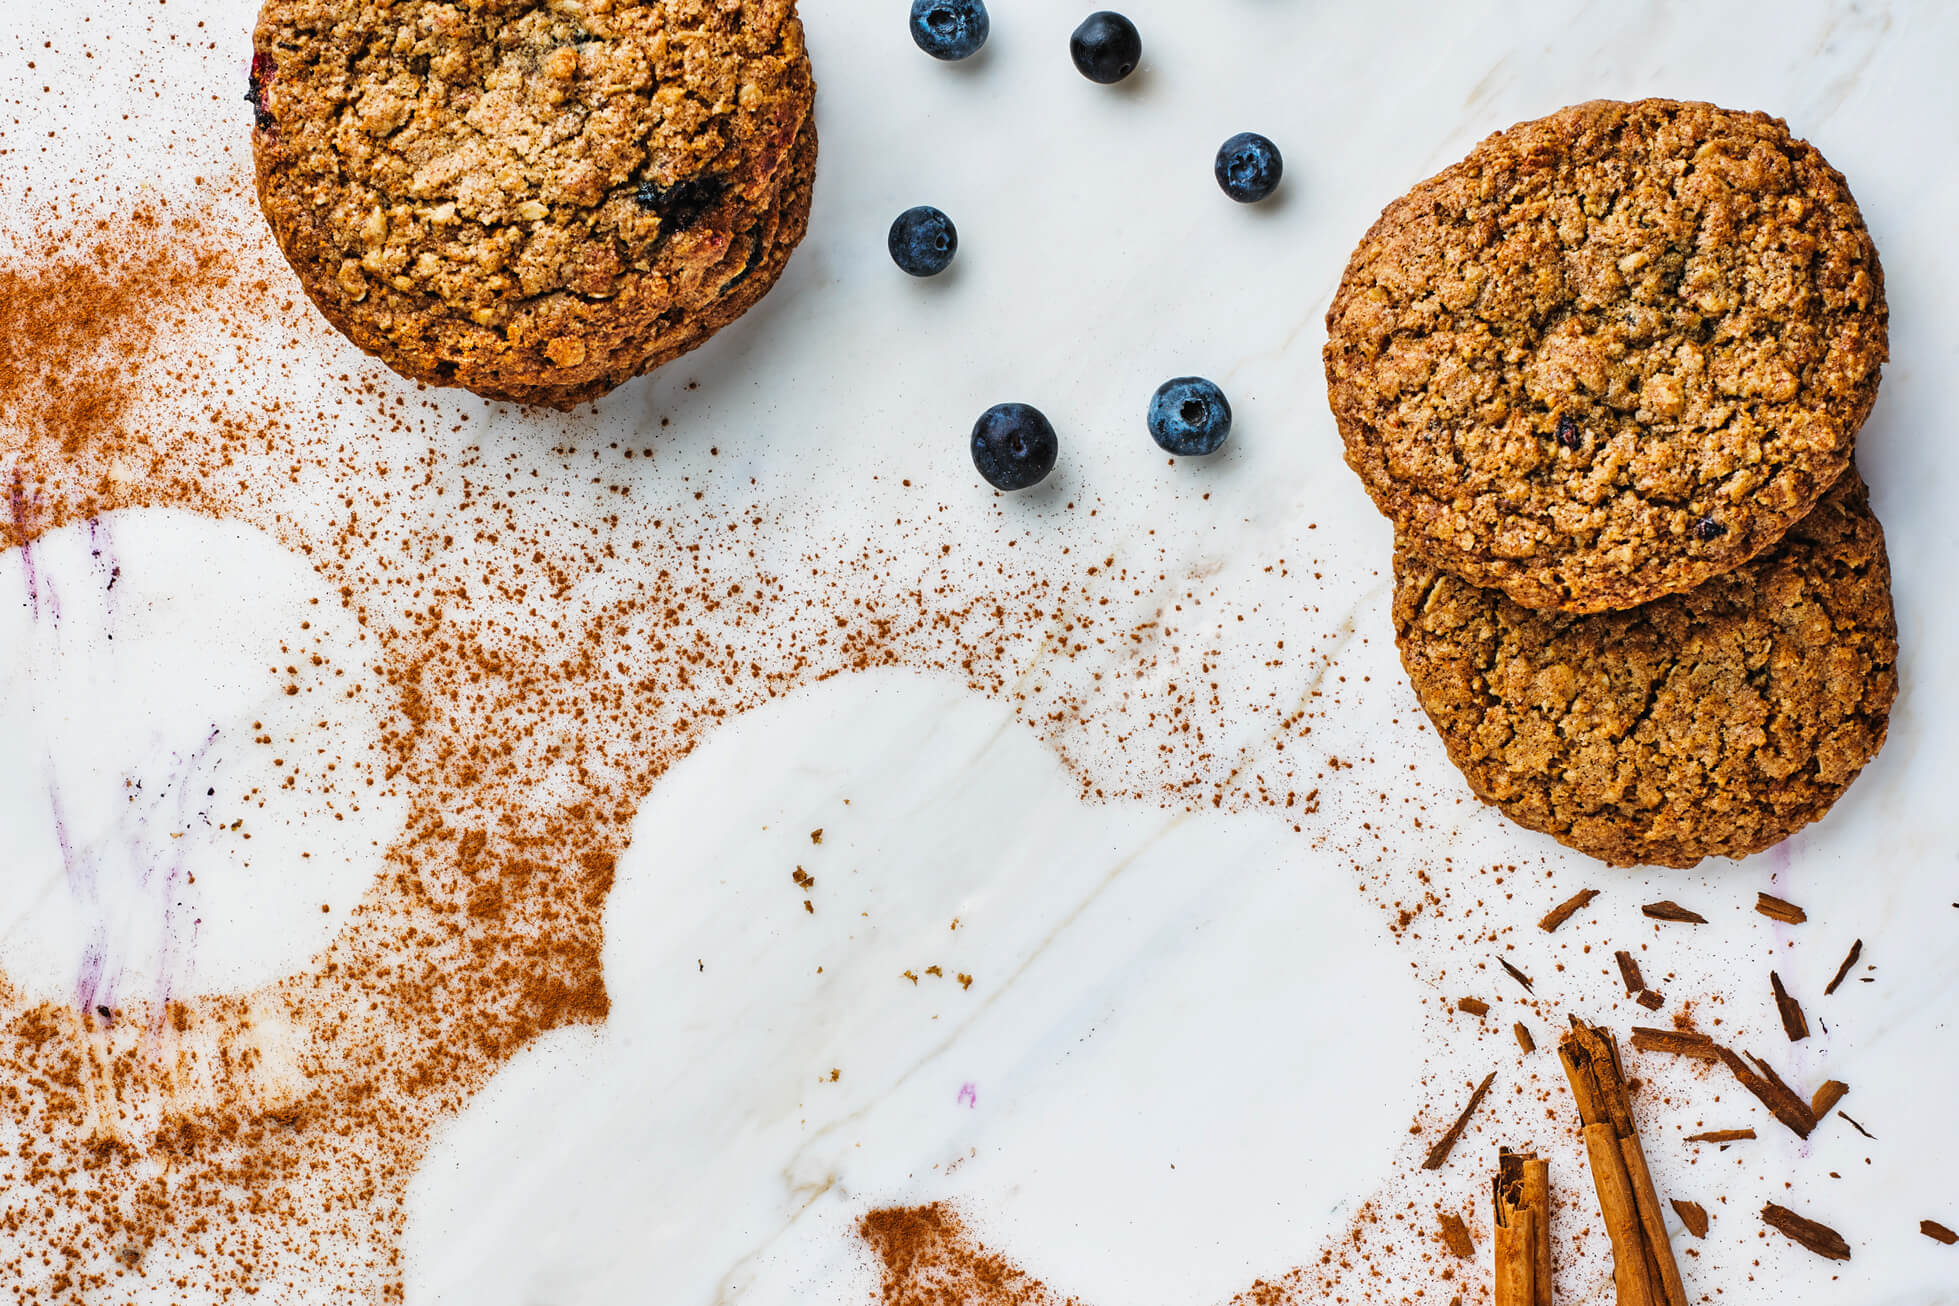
[1712, 723]
[1610, 354]
[534, 202]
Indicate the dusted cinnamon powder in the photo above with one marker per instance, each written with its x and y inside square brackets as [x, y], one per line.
[928, 1258]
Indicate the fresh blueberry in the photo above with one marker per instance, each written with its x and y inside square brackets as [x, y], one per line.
[1014, 446]
[923, 241]
[1189, 416]
[1249, 167]
[1106, 47]
[949, 29]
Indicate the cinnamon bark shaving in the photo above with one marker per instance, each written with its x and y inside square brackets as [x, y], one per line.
[1629, 972]
[1794, 1023]
[1679, 1042]
[1937, 1232]
[1825, 1098]
[1669, 910]
[1455, 1236]
[1474, 1006]
[1818, 1238]
[1693, 1215]
[1722, 1136]
[1516, 974]
[1780, 909]
[1781, 1100]
[1524, 1040]
[1565, 910]
[1856, 951]
[1440, 1152]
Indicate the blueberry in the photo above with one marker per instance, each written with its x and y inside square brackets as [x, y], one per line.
[682, 204]
[1568, 435]
[949, 29]
[1189, 416]
[1708, 529]
[1249, 167]
[1106, 47]
[923, 241]
[1014, 446]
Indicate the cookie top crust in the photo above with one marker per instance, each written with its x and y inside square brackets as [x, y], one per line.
[1611, 353]
[524, 197]
[1711, 723]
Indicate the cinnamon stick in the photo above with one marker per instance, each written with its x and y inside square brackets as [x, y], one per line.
[1440, 1152]
[1644, 1271]
[1794, 1023]
[1668, 910]
[1565, 910]
[1693, 1215]
[1522, 1199]
[1780, 909]
[1680, 1042]
[1781, 1100]
[1629, 972]
[1819, 1238]
[1524, 1040]
[1474, 1006]
[1824, 1100]
[1537, 1197]
[1856, 951]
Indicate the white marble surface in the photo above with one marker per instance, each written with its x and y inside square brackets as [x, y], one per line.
[1193, 1045]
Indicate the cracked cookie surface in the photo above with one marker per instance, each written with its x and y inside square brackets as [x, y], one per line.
[533, 199]
[1711, 723]
[1611, 353]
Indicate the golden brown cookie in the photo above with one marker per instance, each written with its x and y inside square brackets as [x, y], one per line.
[1711, 723]
[534, 200]
[1610, 354]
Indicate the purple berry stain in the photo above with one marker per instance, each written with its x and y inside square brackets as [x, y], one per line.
[262, 68]
[969, 1096]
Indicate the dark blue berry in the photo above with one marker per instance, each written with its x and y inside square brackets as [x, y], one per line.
[1189, 416]
[1708, 529]
[1014, 446]
[1106, 47]
[923, 241]
[682, 204]
[1568, 431]
[949, 29]
[1249, 167]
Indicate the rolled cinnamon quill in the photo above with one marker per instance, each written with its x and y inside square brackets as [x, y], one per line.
[1643, 1269]
[1523, 1230]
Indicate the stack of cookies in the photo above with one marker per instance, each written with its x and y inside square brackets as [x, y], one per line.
[1605, 375]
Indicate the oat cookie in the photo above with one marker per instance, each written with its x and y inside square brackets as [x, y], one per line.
[1610, 354]
[533, 199]
[1711, 723]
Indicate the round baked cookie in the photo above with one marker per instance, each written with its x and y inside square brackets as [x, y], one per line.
[533, 199]
[1711, 723]
[1610, 354]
